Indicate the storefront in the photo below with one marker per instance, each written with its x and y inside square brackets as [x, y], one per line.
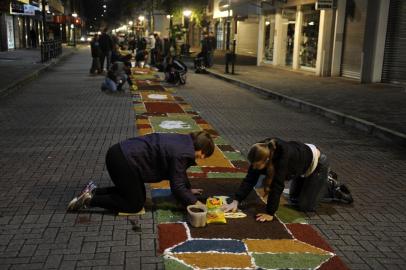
[394, 64]
[289, 37]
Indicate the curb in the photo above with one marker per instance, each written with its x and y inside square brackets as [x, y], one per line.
[33, 75]
[370, 128]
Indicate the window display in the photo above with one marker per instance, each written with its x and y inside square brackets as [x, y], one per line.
[310, 34]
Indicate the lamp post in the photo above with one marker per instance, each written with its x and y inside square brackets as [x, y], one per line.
[73, 26]
[186, 16]
[141, 18]
[228, 26]
[44, 22]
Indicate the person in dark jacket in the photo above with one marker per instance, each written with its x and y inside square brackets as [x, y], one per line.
[96, 52]
[280, 161]
[106, 46]
[147, 159]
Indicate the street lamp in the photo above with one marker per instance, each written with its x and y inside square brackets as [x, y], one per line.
[187, 13]
[186, 20]
[72, 26]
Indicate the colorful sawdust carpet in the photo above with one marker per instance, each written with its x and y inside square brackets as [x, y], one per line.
[285, 243]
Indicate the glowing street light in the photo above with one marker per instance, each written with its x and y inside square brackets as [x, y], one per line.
[104, 6]
[74, 14]
[141, 18]
[187, 13]
[130, 22]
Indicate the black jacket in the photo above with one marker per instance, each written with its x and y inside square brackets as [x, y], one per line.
[291, 159]
[163, 156]
[95, 48]
[106, 43]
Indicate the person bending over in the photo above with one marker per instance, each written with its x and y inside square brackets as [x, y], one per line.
[147, 159]
[280, 161]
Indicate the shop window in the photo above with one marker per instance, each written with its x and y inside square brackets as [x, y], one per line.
[288, 31]
[219, 36]
[310, 34]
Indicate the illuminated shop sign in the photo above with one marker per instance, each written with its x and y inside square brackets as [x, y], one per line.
[21, 8]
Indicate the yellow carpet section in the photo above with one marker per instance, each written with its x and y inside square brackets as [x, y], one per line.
[160, 185]
[215, 260]
[282, 246]
[216, 160]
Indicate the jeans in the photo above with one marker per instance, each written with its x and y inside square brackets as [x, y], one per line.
[109, 84]
[308, 191]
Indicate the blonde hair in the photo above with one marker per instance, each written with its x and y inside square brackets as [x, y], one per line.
[261, 152]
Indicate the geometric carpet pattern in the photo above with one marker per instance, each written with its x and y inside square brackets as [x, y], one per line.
[285, 243]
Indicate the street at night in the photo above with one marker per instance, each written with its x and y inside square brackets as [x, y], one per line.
[112, 108]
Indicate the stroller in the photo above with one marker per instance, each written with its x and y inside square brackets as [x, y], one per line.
[175, 71]
[199, 64]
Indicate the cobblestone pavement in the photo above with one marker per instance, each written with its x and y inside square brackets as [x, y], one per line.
[54, 135]
[371, 234]
[379, 103]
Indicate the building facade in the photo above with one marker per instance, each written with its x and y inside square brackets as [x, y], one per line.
[359, 39]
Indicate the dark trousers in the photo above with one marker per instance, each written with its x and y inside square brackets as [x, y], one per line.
[105, 56]
[308, 191]
[128, 192]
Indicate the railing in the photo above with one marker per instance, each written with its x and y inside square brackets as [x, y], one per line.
[50, 49]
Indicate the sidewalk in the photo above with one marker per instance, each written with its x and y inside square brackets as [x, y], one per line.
[21, 66]
[378, 109]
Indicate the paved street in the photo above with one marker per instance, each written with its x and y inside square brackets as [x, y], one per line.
[54, 135]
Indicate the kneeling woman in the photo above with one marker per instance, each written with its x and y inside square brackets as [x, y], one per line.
[147, 159]
[280, 161]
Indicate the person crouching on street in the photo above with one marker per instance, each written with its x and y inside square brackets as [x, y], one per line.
[280, 161]
[147, 159]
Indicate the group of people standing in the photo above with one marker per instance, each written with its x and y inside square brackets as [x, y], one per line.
[106, 49]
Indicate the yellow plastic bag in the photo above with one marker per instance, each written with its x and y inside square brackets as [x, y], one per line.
[214, 212]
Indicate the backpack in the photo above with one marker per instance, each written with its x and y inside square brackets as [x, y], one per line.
[337, 192]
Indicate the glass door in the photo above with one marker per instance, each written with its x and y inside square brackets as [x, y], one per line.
[309, 38]
[288, 28]
[269, 33]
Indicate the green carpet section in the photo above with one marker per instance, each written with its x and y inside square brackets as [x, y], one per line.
[165, 204]
[195, 169]
[234, 155]
[220, 140]
[171, 264]
[146, 77]
[162, 216]
[238, 175]
[289, 215]
[178, 124]
[289, 260]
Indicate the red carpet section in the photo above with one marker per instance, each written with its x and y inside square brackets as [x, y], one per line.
[241, 243]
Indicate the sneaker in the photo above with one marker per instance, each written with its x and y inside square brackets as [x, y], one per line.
[89, 187]
[80, 202]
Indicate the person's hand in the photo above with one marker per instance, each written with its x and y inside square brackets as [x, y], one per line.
[262, 217]
[197, 191]
[231, 207]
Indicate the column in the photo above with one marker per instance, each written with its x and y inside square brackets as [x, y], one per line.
[324, 44]
[374, 40]
[298, 38]
[382, 24]
[278, 55]
[261, 34]
[338, 38]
